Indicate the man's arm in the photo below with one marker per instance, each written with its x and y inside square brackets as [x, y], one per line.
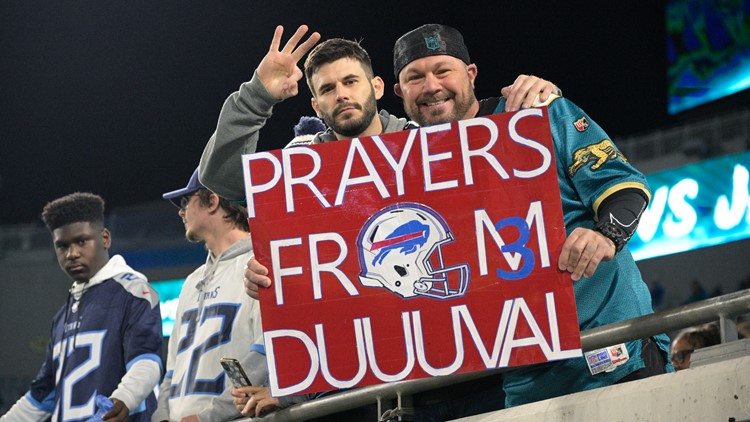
[141, 343]
[245, 112]
[243, 115]
[26, 409]
[607, 185]
[584, 249]
[137, 383]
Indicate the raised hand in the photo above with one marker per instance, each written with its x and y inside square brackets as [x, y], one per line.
[278, 70]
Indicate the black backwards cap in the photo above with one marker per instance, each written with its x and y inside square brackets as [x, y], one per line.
[428, 40]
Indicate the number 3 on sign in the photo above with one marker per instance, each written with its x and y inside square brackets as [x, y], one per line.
[515, 252]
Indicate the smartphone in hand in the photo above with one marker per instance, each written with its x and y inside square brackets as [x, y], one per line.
[234, 371]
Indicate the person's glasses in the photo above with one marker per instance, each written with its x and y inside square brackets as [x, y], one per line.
[185, 200]
[679, 357]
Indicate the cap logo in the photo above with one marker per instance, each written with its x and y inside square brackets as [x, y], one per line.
[433, 42]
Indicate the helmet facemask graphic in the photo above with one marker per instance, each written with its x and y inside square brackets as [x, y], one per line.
[400, 250]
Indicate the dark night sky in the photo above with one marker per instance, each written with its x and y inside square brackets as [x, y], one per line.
[119, 97]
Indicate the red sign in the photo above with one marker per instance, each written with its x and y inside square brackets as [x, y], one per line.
[412, 254]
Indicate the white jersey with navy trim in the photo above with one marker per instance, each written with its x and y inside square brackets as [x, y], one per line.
[215, 319]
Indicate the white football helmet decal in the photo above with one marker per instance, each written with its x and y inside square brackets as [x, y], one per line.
[400, 250]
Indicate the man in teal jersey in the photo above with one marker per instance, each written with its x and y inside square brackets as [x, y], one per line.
[603, 198]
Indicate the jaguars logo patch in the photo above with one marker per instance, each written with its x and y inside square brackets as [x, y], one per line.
[598, 154]
[581, 124]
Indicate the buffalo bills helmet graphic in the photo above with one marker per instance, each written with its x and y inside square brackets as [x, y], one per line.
[400, 250]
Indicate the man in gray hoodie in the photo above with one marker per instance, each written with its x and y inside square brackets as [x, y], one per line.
[214, 319]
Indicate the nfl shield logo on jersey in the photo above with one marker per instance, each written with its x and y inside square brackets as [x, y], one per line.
[399, 249]
[581, 124]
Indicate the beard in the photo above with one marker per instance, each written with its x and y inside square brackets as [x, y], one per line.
[461, 106]
[353, 127]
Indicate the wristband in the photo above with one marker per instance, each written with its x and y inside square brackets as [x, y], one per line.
[613, 233]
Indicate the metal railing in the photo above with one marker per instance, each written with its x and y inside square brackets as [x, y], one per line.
[724, 308]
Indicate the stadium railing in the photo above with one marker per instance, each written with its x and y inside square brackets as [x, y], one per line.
[723, 308]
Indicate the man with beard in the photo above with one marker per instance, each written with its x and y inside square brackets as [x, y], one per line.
[344, 91]
[602, 203]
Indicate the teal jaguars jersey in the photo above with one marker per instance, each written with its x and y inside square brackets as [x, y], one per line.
[590, 168]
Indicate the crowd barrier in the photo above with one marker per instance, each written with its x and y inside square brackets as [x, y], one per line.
[723, 308]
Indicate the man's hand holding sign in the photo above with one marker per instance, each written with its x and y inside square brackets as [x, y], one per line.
[412, 254]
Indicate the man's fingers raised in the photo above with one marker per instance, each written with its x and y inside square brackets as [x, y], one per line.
[276, 41]
[294, 40]
[306, 46]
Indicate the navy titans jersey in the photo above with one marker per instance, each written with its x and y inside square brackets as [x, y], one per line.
[93, 341]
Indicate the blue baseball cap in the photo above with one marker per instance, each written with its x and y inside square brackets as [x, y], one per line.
[193, 185]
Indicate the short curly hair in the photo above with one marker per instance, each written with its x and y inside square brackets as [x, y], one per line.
[74, 208]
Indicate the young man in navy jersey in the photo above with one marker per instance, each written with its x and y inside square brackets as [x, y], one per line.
[106, 339]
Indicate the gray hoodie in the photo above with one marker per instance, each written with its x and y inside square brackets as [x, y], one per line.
[243, 115]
